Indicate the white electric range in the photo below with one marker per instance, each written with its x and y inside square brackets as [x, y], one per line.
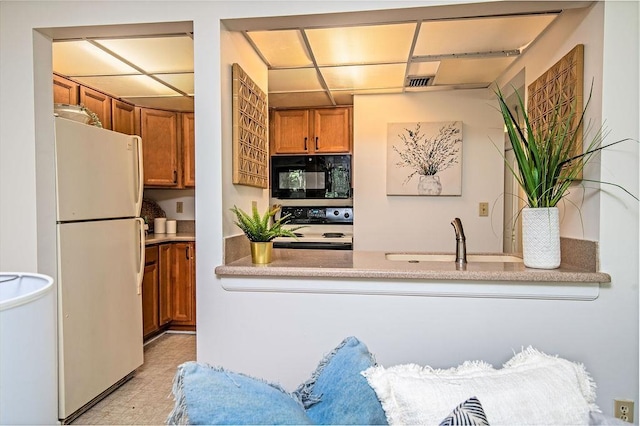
[328, 228]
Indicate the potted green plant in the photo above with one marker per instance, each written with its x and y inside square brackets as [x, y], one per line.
[547, 166]
[262, 229]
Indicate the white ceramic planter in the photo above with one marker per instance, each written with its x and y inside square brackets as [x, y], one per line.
[541, 237]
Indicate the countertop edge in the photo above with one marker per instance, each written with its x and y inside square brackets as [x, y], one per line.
[528, 275]
[152, 239]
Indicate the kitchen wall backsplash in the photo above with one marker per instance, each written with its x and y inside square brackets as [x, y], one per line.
[168, 199]
[186, 226]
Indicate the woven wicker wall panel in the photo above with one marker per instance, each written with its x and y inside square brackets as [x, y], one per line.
[560, 84]
[250, 131]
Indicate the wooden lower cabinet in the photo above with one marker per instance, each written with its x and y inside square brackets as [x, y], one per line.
[168, 288]
[164, 291]
[150, 307]
[183, 278]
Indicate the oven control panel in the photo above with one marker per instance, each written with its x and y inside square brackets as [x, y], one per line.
[303, 215]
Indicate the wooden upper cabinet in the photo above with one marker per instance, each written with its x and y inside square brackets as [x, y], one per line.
[290, 130]
[98, 103]
[122, 117]
[65, 91]
[168, 137]
[303, 131]
[188, 150]
[159, 132]
[331, 130]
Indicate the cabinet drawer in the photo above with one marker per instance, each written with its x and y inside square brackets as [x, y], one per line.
[151, 255]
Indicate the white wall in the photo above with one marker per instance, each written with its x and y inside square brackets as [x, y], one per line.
[282, 336]
[422, 223]
[234, 48]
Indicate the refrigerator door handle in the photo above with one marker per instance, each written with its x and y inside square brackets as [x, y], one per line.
[141, 252]
[139, 173]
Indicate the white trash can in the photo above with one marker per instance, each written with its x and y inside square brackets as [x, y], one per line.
[28, 359]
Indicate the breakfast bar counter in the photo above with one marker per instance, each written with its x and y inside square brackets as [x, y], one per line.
[376, 265]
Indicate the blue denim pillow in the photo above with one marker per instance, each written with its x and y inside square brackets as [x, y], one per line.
[208, 395]
[337, 393]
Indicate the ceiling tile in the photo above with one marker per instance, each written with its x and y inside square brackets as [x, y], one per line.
[361, 45]
[423, 68]
[124, 86]
[464, 71]
[282, 48]
[479, 34]
[364, 76]
[291, 100]
[291, 80]
[79, 58]
[183, 81]
[157, 54]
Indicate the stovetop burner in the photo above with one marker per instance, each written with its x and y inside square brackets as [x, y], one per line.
[333, 235]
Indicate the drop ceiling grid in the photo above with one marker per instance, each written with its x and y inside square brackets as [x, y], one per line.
[162, 64]
[369, 58]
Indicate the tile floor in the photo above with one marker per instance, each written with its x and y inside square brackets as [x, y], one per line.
[146, 399]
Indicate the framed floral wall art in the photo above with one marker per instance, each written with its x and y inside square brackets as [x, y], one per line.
[424, 158]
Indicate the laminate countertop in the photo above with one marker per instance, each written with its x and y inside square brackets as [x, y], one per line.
[152, 238]
[375, 265]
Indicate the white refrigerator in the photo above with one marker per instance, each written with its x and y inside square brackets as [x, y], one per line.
[100, 261]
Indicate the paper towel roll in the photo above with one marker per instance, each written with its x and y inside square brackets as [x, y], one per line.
[171, 226]
[159, 225]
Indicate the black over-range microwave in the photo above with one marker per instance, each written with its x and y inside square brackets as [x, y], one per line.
[311, 176]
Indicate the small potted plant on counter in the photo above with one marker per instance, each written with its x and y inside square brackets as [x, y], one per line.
[262, 229]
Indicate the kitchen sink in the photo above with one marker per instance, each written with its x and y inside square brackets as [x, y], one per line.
[418, 257]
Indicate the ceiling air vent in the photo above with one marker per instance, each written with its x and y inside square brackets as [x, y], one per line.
[420, 81]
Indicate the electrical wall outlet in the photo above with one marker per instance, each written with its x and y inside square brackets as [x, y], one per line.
[179, 207]
[483, 209]
[623, 409]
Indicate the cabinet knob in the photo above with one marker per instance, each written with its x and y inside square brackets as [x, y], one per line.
[316, 143]
[305, 143]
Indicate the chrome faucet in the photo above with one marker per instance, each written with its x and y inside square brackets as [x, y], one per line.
[461, 243]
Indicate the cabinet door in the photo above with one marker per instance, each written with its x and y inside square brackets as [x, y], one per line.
[65, 91]
[291, 132]
[188, 150]
[331, 130]
[97, 102]
[183, 278]
[122, 117]
[159, 132]
[164, 291]
[150, 323]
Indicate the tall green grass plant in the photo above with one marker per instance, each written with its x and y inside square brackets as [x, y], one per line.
[547, 163]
